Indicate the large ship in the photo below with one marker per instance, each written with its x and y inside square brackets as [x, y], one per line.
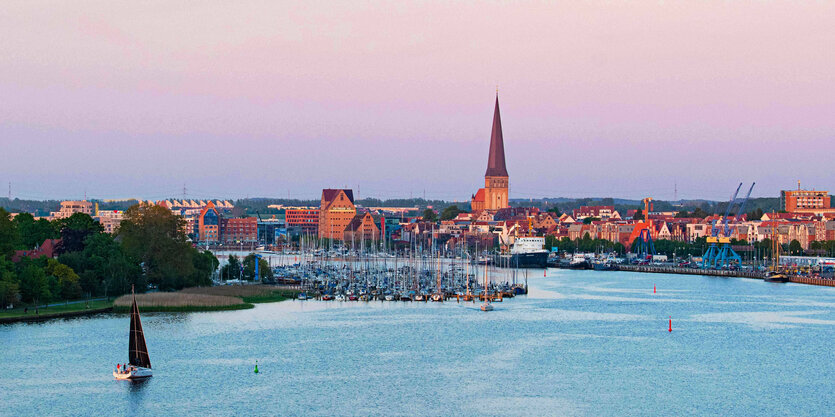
[528, 252]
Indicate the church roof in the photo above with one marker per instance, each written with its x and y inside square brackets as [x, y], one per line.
[495, 161]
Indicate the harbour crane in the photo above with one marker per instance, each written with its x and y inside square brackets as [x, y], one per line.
[642, 233]
[716, 257]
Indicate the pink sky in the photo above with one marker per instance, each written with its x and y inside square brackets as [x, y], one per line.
[267, 98]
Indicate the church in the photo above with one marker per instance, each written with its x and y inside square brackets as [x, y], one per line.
[494, 195]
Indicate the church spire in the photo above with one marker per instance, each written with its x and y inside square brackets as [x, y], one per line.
[495, 161]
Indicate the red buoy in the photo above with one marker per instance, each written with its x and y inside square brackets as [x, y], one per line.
[671, 324]
[545, 272]
[653, 288]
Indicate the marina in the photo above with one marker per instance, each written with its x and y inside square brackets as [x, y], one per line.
[540, 354]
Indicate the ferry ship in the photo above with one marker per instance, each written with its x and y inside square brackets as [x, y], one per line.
[529, 252]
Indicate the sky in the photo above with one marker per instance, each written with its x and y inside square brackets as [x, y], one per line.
[125, 99]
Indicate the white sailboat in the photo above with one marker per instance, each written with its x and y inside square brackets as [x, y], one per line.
[486, 306]
[139, 365]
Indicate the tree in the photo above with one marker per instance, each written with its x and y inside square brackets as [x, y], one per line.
[588, 220]
[551, 241]
[9, 236]
[156, 238]
[795, 248]
[683, 214]
[232, 269]
[205, 264]
[700, 213]
[639, 215]
[450, 213]
[33, 232]
[34, 286]
[9, 288]
[67, 280]
[264, 272]
[76, 229]
[756, 214]
[555, 210]
[429, 215]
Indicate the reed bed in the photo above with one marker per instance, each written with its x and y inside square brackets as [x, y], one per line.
[232, 290]
[179, 301]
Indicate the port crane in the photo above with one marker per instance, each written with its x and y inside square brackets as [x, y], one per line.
[716, 257]
[642, 233]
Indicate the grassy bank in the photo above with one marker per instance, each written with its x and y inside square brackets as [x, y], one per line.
[69, 308]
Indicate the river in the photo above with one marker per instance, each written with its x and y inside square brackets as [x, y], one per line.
[581, 343]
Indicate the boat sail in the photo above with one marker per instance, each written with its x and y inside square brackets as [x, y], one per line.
[140, 363]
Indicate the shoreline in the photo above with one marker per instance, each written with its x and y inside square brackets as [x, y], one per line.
[35, 318]
[247, 302]
[721, 273]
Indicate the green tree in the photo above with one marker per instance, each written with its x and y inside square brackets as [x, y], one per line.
[264, 271]
[76, 229]
[450, 213]
[33, 232]
[9, 235]
[756, 214]
[588, 220]
[156, 238]
[429, 215]
[68, 286]
[205, 264]
[682, 214]
[9, 287]
[232, 269]
[556, 210]
[639, 215]
[551, 242]
[795, 248]
[34, 285]
[699, 213]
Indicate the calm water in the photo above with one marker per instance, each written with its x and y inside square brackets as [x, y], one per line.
[581, 343]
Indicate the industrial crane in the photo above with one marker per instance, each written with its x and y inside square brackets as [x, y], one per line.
[720, 258]
[642, 233]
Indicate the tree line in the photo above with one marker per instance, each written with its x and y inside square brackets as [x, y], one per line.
[149, 249]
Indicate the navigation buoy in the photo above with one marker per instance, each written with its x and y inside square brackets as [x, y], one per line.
[545, 272]
[671, 324]
[256, 367]
[653, 288]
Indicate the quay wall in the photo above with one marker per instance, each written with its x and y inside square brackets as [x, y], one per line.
[721, 273]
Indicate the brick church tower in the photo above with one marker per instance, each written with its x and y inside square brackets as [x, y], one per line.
[494, 195]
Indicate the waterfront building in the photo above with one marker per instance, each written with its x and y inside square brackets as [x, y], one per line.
[336, 211]
[239, 230]
[208, 224]
[68, 208]
[495, 193]
[304, 218]
[805, 201]
[363, 227]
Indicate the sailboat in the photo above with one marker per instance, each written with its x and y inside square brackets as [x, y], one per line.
[140, 363]
[486, 306]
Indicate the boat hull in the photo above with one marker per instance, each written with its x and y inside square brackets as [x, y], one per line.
[529, 260]
[776, 278]
[136, 373]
